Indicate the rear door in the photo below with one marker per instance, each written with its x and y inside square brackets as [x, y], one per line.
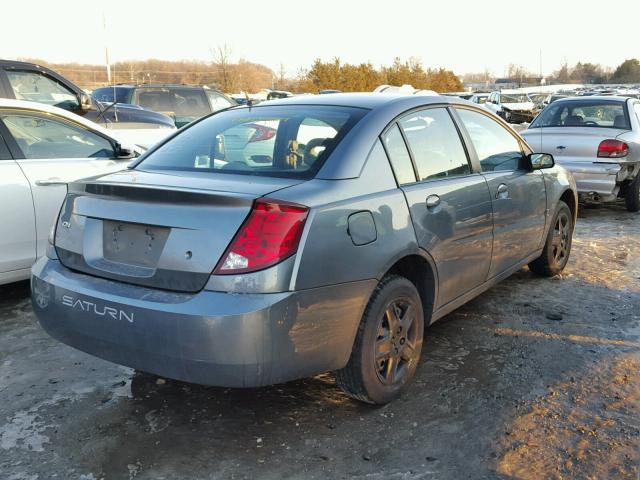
[518, 195]
[18, 243]
[450, 205]
[52, 152]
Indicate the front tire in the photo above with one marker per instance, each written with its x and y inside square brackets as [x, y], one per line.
[632, 195]
[557, 248]
[388, 344]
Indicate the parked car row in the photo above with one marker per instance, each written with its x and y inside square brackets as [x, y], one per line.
[35, 83]
[199, 258]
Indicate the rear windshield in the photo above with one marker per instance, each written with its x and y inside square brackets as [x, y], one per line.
[584, 113]
[281, 141]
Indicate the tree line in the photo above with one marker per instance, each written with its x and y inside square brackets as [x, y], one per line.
[251, 77]
[581, 72]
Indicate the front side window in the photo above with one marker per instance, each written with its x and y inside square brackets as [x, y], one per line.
[496, 147]
[292, 141]
[398, 155]
[583, 113]
[35, 87]
[40, 137]
[435, 144]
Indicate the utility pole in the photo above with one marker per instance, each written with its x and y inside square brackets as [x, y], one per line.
[106, 48]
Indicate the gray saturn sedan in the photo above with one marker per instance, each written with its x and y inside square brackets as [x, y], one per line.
[268, 243]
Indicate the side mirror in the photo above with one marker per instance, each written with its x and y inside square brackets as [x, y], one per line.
[85, 102]
[124, 152]
[541, 160]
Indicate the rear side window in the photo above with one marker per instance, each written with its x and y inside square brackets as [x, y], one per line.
[496, 147]
[292, 141]
[435, 144]
[584, 113]
[398, 155]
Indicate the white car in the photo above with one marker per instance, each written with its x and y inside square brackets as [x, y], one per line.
[514, 107]
[41, 149]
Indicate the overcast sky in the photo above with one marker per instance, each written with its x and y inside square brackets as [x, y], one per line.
[463, 35]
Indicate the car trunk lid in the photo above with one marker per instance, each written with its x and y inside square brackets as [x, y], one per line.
[153, 228]
[571, 145]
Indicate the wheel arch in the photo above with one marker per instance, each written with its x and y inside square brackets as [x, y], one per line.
[569, 197]
[420, 269]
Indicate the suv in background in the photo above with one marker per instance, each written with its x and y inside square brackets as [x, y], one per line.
[31, 82]
[182, 103]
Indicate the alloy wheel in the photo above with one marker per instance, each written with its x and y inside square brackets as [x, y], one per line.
[396, 346]
[561, 238]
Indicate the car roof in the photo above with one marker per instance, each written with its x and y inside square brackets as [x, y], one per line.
[366, 100]
[60, 112]
[16, 63]
[589, 98]
[159, 85]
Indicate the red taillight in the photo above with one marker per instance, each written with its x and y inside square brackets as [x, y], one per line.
[262, 133]
[613, 149]
[270, 234]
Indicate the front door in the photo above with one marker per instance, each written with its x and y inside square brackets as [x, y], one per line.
[18, 241]
[518, 194]
[450, 206]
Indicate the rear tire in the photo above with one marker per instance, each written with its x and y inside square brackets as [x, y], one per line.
[388, 344]
[557, 248]
[632, 195]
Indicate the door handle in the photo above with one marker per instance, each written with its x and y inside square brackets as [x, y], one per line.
[432, 202]
[50, 181]
[503, 191]
[560, 147]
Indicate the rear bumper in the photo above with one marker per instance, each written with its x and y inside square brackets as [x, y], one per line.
[591, 177]
[211, 338]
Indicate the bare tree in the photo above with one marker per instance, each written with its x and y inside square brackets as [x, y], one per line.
[221, 57]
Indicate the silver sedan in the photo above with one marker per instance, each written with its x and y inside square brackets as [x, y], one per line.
[598, 140]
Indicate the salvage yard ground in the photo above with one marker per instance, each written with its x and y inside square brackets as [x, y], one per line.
[537, 378]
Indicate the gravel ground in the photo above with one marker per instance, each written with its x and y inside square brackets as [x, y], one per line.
[535, 379]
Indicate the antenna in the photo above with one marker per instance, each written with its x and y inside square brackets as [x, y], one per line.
[540, 150]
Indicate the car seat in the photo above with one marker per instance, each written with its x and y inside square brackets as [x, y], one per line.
[574, 121]
[619, 121]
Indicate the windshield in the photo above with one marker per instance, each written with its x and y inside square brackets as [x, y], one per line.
[283, 141]
[513, 98]
[583, 113]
